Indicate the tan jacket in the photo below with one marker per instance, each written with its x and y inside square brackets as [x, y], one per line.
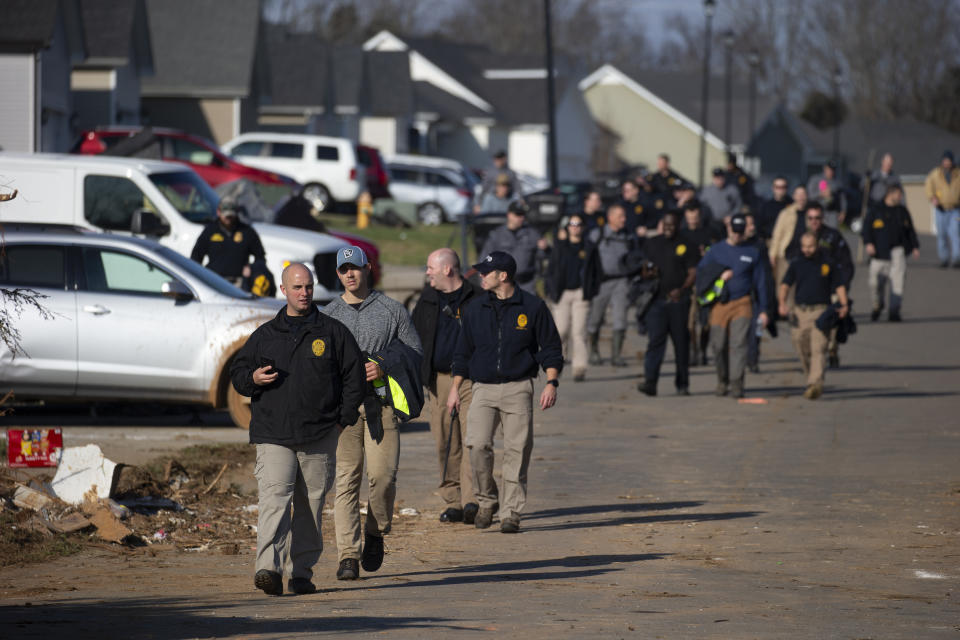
[947, 193]
[783, 232]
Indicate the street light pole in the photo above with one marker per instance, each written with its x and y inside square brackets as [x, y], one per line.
[551, 108]
[708, 6]
[754, 61]
[728, 40]
[837, 77]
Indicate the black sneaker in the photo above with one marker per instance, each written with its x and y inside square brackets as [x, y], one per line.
[349, 569]
[875, 314]
[484, 518]
[647, 389]
[372, 556]
[270, 582]
[470, 512]
[510, 525]
[451, 514]
[683, 391]
[894, 316]
[736, 391]
[300, 586]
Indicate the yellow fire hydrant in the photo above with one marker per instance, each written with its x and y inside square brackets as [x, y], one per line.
[364, 210]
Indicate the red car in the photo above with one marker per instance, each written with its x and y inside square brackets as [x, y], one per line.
[378, 179]
[201, 155]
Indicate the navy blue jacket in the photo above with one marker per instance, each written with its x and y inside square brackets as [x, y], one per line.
[506, 342]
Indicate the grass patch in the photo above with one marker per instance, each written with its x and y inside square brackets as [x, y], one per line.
[19, 545]
[409, 247]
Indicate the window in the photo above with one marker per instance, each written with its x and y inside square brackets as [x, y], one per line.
[439, 180]
[109, 201]
[192, 197]
[33, 266]
[331, 154]
[286, 150]
[254, 148]
[191, 152]
[116, 272]
[405, 174]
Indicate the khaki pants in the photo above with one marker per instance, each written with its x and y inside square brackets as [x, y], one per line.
[511, 404]
[570, 314]
[456, 486]
[300, 476]
[354, 445]
[810, 342]
[729, 326]
[893, 270]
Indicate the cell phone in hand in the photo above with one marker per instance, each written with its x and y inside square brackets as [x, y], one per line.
[268, 362]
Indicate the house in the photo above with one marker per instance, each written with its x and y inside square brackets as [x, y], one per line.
[40, 42]
[469, 102]
[206, 67]
[106, 84]
[645, 113]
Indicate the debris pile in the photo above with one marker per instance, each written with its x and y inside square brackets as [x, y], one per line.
[195, 503]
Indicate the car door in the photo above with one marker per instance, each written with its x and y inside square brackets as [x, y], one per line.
[133, 341]
[49, 340]
[407, 184]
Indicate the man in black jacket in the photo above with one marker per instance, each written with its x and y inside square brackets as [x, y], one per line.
[507, 335]
[437, 318]
[889, 236]
[228, 244]
[304, 374]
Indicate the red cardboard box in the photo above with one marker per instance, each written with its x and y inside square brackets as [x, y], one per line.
[34, 447]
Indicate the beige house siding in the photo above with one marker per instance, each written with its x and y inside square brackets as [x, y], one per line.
[222, 116]
[644, 131]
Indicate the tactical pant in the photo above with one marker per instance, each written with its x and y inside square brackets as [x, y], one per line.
[665, 318]
[570, 314]
[456, 485]
[729, 326]
[382, 459]
[810, 342]
[299, 476]
[612, 293]
[511, 405]
[893, 270]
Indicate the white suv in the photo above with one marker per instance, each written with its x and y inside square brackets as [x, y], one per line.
[131, 320]
[326, 167]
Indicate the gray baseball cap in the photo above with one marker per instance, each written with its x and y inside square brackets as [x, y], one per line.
[351, 255]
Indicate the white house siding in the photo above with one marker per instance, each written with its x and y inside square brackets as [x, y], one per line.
[18, 111]
[380, 133]
[527, 151]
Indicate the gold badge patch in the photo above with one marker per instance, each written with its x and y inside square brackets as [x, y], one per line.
[659, 204]
[638, 208]
[582, 254]
[522, 321]
[217, 237]
[238, 236]
[599, 221]
[878, 224]
[319, 346]
[681, 249]
[825, 269]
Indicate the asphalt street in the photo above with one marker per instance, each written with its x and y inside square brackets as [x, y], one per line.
[660, 517]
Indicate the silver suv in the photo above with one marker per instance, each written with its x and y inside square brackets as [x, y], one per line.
[133, 320]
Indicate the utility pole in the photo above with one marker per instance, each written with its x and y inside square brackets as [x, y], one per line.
[551, 107]
[708, 6]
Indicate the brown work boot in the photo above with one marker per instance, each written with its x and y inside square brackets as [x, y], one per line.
[813, 392]
[484, 518]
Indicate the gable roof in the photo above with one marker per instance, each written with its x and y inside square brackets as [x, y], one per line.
[297, 73]
[112, 29]
[389, 87]
[202, 48]
[27, 26]
[431, 101]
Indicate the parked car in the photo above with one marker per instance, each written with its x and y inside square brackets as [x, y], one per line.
[163, 200]
[378, 179]
[326, 167]
[200, 154]
[442, 189]
[131, 320]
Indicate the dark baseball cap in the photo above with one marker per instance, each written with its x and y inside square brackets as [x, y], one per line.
[497, 261]
[738, 223]
[718, 171]
[229, 206]
[518, 207]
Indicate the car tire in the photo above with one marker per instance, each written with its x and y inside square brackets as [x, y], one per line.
[239, 408]
[430, 214]
[318, 196]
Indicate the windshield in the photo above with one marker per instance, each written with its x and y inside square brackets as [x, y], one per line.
[203, 274]
[190, 195]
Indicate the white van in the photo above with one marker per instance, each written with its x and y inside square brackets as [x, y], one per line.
[162, 200]
[326, 167]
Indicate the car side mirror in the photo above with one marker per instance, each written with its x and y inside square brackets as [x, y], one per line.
[147, 223]
[176, 290]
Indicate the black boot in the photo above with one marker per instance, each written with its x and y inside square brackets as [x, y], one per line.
[615, 349]
[595, 358]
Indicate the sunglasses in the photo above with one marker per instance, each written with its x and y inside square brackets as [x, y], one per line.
[574, 224]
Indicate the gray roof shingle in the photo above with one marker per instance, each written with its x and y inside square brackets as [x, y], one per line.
[389, 87]
[297, 66]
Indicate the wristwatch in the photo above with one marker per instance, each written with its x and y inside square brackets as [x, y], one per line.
[555, 383]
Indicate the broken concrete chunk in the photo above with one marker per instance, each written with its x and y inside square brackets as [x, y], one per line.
[27, 498]
[84, 469]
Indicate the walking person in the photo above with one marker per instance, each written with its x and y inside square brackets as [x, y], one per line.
[607, 281]
[301, 397]
[565, 289]
[675, 264]
[699, 235]
[889, 237]
[507, 335]
[743, 272]
[521, 241]
[437, 318]
[816, 279]
[943, 191]
[376, 322]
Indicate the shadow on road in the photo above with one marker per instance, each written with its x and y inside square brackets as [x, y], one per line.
[616, 522]
[608, 508]
[117, 414]
[169, 618]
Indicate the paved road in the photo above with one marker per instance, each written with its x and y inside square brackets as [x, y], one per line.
[664, 517]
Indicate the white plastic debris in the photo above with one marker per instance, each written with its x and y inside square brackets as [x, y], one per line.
[251, 508]
[409, 511]
[82, 470]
